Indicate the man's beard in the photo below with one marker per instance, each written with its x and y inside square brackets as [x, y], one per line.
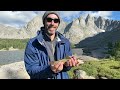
[49, 32]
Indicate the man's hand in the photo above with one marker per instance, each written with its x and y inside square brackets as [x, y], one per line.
[72, 62]
[57, 67]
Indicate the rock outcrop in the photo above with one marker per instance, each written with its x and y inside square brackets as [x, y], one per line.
[80, 74]
[12, 33]
[81, 28]
[76, 31]
[33, 26]
[13, 71]
[28, 31]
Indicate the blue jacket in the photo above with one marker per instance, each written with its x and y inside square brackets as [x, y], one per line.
[37, 60]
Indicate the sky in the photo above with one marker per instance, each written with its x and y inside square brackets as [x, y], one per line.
[19, 19]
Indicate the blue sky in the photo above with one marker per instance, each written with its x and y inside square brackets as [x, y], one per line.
[116, 15]
[20, 18]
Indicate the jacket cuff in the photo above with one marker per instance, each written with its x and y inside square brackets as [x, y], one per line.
[52, 73]
[66, 68]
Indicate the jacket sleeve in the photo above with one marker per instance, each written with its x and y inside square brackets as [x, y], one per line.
[68, 52]
[34, 66]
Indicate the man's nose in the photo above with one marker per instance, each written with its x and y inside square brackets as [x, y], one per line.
[52, 22]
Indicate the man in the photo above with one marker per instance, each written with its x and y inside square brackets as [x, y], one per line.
[49, 45]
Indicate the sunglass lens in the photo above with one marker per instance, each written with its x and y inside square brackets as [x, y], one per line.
[49, 19]
[55, 20]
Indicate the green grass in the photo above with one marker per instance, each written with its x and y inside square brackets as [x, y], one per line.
[15, 43]
[103, 68]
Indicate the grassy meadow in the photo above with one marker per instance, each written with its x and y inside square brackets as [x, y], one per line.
[15, 43]
[103, 68]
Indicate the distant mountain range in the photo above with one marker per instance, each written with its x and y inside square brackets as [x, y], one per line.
[88, 32]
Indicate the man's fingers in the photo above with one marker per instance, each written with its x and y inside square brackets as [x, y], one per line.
[73, 62]
[70, 63]
[80, 61]
[74, 57]
[54, 67]
[66, 63]
[60, 67]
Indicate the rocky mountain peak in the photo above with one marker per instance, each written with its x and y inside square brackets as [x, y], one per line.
[82, 22]
[77, 30]
[89, 20]
[34, 25]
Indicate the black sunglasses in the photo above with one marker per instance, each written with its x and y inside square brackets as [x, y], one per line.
[55, 20]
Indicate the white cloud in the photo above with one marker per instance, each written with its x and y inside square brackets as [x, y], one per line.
[20, 18]
[16, 18]
[70, 15]
[104, 14]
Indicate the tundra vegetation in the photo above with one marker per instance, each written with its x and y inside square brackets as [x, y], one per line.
[108, 67]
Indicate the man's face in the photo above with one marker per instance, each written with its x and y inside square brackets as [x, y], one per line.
[51, 24]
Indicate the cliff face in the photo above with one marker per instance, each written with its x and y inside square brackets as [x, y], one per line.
[81, 29]
[11, 32]
[76, 31]
[27, 31]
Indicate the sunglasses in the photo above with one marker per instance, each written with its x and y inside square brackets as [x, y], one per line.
[55, 20]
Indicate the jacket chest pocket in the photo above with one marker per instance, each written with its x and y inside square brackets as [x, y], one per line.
[43, 58]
